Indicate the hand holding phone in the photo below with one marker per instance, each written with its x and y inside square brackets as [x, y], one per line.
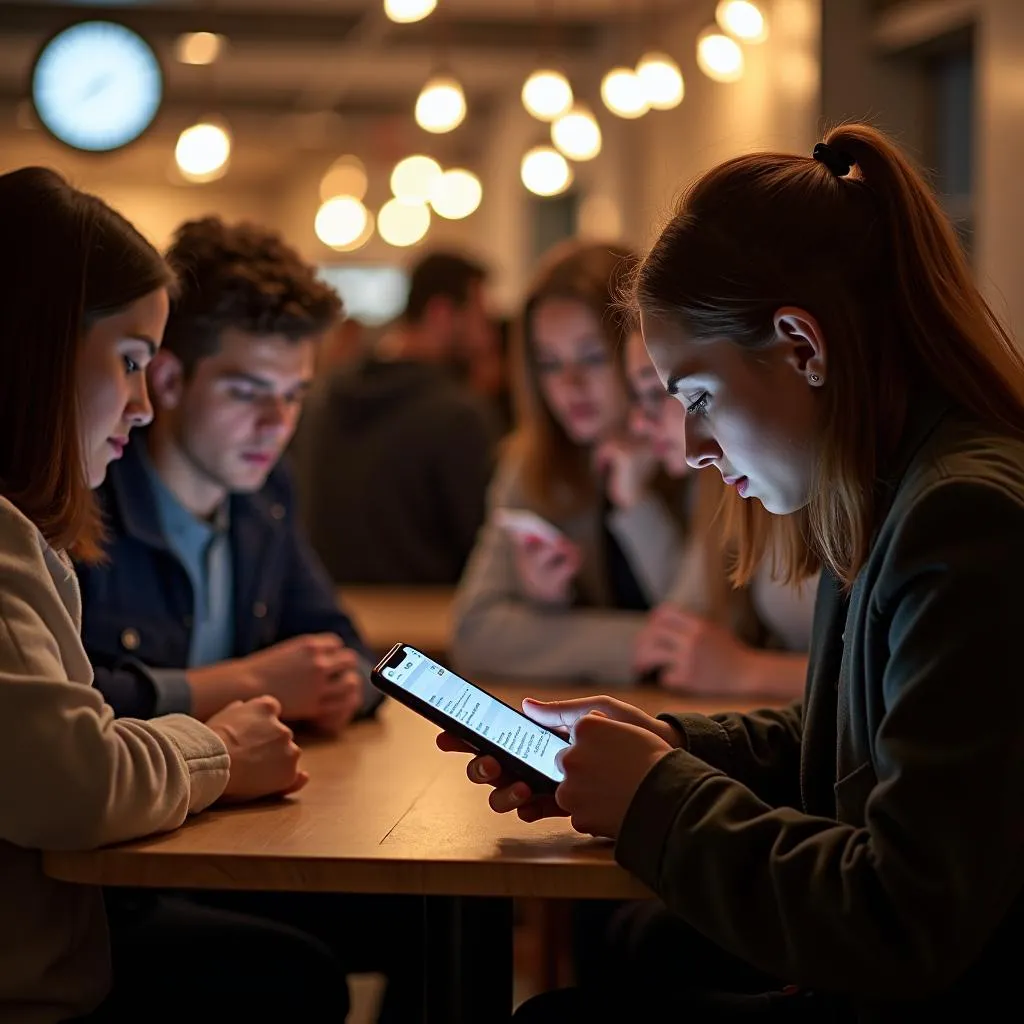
[521, 522]
[525, 749]
[511, 794]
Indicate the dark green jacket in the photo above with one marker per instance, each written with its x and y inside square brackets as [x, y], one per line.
[869, 841]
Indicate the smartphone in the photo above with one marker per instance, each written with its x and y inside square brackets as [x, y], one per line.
[528, 524]
[490, 726]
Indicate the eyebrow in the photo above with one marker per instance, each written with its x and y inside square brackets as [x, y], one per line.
[146, 340]
[261, 382]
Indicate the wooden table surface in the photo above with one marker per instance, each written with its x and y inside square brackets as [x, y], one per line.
[420, 616]
[386, 812]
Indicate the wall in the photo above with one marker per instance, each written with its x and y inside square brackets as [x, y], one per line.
[773, 106]
[999, 158]
[626, 190]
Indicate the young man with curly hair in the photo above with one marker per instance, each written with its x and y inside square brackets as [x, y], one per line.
[210, 593]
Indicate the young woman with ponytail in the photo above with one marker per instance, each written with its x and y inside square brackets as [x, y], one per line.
[858, 856]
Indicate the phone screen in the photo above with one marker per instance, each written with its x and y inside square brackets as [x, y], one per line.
[479, 711]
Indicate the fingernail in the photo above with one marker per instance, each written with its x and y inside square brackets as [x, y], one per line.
[518, 795]
[484, 771]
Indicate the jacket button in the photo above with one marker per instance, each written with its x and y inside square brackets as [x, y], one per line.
[130, 639]
[277, 510]
[259, 609]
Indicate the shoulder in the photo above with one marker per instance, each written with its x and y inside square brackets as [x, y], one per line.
[20, 540]
[959, 510]
[507, 490]
[962, 462]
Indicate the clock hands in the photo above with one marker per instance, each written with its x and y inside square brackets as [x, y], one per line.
[95, 87]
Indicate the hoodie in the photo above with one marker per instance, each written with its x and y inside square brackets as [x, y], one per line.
[392, 463]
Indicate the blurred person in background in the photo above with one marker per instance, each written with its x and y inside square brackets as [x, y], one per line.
[569, 607]
[394, 454]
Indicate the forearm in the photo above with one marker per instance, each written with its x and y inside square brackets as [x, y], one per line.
[214, 687]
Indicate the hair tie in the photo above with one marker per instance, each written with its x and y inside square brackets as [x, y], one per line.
[837, 162]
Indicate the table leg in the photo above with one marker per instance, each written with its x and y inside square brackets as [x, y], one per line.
[468, 960]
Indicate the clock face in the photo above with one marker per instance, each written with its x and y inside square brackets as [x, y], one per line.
[97, 86]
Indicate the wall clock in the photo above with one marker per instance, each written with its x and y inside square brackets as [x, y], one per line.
[97, 86]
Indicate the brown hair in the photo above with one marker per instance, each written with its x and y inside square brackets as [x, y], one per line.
[241, 276]
[871, 256]
[556, 472]
[70, 260]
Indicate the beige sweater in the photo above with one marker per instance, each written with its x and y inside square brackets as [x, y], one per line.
[500, 632]
[71, 778]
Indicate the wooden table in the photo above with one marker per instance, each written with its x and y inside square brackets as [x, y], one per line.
[386, 812]
[420, 616]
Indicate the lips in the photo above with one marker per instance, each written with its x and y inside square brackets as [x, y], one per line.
[118, 444]
[258, 458]
[741, 483]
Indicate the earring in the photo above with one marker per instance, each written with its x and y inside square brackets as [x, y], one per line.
[815, 378]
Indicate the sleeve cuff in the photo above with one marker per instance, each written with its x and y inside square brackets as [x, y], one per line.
[703, 737]
[372, 697]
[173, 693]
[651, 816]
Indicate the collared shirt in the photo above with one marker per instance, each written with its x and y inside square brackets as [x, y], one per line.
[204, 550]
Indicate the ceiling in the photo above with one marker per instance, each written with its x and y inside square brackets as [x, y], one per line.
[306, 73]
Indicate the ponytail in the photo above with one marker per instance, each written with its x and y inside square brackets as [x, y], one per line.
[854, 236]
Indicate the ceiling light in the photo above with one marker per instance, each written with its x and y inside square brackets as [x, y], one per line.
[547, 94]
[662, 80]
[742, 19]
[456, 194]
[340, 221]
[406, 11]
[401, 224]
[345, 177]
[441, 105]
[719, 56]
[545, 172]
[202, 151]
[413, 178]
[577, 134]
[624, 94]
[198, 47]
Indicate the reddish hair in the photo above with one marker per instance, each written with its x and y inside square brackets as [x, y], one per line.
[74, 261]
[872, 257]
[556, 471]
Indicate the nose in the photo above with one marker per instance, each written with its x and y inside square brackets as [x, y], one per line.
[701, 447]
[139, 411]
[274, 413]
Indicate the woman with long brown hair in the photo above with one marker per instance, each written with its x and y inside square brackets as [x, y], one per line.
[83, 304]
[860, 852]
[569, 605]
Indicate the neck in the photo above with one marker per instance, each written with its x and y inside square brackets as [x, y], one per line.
[189, 483]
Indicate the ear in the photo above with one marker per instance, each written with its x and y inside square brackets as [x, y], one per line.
[166, 378]
[804, 343]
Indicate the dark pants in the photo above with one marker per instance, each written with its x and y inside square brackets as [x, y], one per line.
[242, 951]
[366, 933]
[637, 962]
[178, 960]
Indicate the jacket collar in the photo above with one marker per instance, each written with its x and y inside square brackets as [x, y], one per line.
[130, 500]
[925, 411]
